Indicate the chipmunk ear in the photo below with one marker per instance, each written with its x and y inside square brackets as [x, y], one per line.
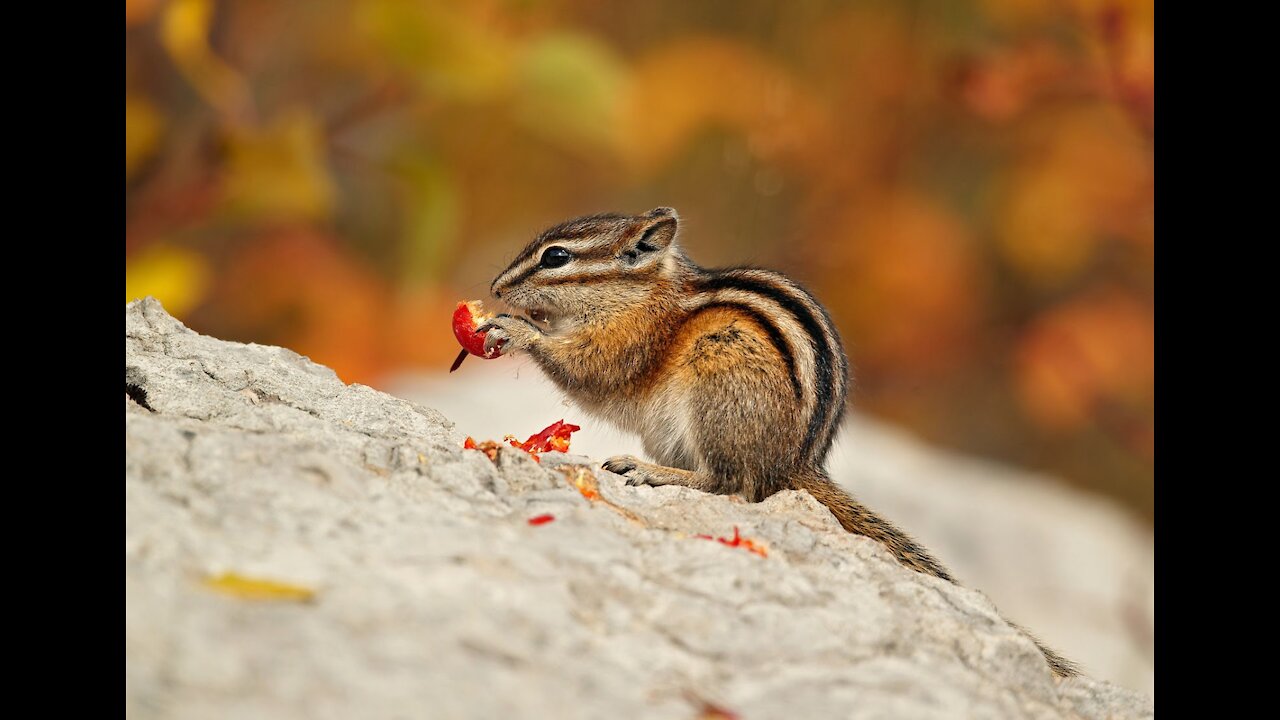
[657, 230]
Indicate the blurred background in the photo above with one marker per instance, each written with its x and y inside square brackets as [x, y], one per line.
[967, 186]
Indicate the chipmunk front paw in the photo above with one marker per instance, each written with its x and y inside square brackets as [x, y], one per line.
[621, 464]
[510, 333]
[635, 470]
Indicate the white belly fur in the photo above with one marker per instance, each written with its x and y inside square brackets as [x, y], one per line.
[662, 420]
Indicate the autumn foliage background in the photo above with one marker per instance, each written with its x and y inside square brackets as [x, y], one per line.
[968, 186]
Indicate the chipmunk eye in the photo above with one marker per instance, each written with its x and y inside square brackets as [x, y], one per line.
[555, 256]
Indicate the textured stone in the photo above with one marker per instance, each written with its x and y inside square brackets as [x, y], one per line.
[1072, 567]
[435, 598]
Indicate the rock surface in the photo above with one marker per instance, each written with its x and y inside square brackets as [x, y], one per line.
[1071, 566]
[415, 586]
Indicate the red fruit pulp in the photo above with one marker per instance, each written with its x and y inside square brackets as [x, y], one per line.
[466, 318]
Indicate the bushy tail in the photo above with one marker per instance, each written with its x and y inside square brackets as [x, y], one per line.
[857, 519]
[1061, 666]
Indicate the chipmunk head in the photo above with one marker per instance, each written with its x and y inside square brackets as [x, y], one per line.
[591, 267]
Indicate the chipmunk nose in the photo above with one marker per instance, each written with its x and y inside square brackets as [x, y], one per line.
[499, 286]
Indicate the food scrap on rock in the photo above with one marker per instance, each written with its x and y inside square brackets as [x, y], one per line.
[739, 541]
[554, 437]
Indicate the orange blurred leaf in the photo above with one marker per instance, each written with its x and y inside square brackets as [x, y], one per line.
[1093, 350]
[912, 281]
[296, 288]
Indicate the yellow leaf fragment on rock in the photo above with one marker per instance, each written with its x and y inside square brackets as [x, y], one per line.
[583, 480]
[247, 588]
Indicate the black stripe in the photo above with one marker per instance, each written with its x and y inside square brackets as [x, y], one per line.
[775, 336]
[842, 398]
[592, 255]
[523, 276]
[574, 229]
[601, 253]
[823, 352]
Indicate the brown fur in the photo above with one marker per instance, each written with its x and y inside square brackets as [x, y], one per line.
[709, 367]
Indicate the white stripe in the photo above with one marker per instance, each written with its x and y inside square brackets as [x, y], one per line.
[798, 340]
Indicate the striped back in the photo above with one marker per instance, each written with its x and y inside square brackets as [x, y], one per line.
[803, 334]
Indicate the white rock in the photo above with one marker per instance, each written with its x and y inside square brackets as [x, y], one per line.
[435, 598]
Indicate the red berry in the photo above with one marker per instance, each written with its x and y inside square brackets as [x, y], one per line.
[466, 318]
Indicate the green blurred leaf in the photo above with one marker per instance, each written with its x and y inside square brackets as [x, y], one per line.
[430, 222]
[570, 88]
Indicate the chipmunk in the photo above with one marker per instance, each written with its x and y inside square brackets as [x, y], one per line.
[704, 365]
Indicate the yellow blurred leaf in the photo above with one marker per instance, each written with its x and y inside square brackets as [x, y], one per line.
[448, 47]
[430, 222]
[247, 588]
[1046, 230]
[1086, 180]
[279, 172]
[177, 277]
[185, 35]
[1015, 13]
[684, 87]
[143, 125]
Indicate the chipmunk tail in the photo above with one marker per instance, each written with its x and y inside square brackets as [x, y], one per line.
[1061, 666]
[856, 518]
[859, 520]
